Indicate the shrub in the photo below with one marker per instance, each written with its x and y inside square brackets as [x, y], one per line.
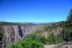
[52, 39]
[37, 41]
[66, 36]
[30, 41]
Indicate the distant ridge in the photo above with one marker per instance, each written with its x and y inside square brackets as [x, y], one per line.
[17, 23]
[28, 23]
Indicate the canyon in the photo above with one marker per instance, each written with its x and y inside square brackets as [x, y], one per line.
[13, 33]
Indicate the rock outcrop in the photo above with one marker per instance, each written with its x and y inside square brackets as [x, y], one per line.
[13, 33]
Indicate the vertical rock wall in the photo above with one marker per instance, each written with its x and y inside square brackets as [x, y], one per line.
[13, 33]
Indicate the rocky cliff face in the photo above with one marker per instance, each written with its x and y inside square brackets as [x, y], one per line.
[13, 33]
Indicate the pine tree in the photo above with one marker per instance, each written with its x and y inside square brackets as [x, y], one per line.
[68, 23]
[69, 19]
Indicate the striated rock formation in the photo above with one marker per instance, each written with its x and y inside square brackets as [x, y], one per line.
[13, 33]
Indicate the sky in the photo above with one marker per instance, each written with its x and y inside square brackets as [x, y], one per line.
[34, 10]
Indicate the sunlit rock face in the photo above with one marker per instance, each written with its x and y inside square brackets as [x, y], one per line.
[13, 33]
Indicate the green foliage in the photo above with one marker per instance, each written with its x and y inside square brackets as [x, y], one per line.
[33, 36]
[68, 23]
[69, 19]
[66, 36]
[28, 44]
[53, 39]
[43, 39]
[37, 41]
[1, 36]
[30, 41]
[49, 28]
[1, 33]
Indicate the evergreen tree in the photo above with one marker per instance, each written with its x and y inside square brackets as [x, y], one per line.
[69, 19]
[67, 31]
[68, 23]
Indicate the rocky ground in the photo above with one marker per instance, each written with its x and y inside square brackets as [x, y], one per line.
[50, 46]
[62, 45]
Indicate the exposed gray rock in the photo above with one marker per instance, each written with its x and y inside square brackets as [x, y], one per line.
[13, 33]
[65, 45]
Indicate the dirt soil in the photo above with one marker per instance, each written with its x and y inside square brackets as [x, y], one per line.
[50, 46]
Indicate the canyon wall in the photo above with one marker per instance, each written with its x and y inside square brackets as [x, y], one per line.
[13, 33]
